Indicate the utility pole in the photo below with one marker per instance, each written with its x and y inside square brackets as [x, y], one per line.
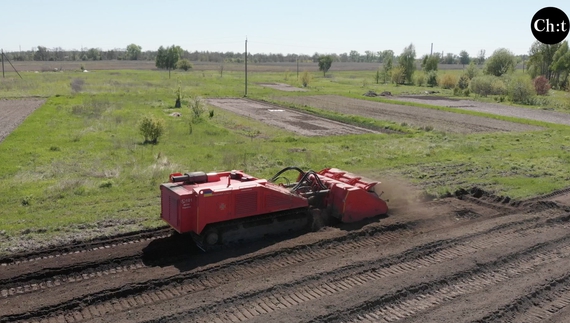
[3, 76]
[245, 95]
[431, 51]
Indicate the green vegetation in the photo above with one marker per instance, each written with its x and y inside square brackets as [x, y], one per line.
[325, 63]
[80, 163]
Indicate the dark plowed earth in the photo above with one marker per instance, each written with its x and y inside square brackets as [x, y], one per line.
[469, 258]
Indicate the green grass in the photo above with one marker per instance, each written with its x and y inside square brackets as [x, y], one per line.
[78, 163]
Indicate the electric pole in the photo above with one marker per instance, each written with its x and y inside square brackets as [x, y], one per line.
[245, 95]
[3, 76]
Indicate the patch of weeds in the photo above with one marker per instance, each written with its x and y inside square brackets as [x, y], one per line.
[77, 85]
[54, 148]
[27, 200]
[352, 161]
[106, 184]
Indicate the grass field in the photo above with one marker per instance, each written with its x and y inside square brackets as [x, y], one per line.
[79, 162]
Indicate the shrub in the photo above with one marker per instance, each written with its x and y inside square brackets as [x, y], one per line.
[487, 85]
[472, 70]
[77, 85]
[420, 79]
[398, 75]
[541, 85]
[432, 78]
[456, 91]
[448, 81]
[520, 89]
[305, 78]
[463, 82]
[197, 109]
[151, 128]
[184, 64]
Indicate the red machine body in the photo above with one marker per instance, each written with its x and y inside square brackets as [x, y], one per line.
[193, 201]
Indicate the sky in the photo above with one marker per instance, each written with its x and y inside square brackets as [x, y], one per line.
[301, 27]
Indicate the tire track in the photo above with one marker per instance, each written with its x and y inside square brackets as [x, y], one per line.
[141, 294]
[82, 247]
[248, 305]
[539, 305]
[419, 298]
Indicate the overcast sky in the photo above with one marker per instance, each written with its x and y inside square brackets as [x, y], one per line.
[302, 27]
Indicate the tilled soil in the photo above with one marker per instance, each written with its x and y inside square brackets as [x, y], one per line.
[472, 258]
[413, 116]
[499, 109]
[14, 112]
[295, 121]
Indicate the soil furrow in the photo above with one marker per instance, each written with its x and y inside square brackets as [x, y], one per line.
[415, 299]
[313, 287]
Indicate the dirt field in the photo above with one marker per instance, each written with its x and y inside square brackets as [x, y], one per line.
[467, 259]
[14, 112]
[301, 123]
[414, 116]
[500, 109]
[282, 87]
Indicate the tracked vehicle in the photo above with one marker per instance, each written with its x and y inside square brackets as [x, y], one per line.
[224, 207]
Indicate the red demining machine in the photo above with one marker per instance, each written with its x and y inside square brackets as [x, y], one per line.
[223, 207]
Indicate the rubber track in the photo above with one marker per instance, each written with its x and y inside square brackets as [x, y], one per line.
[86, 246]
[416, 299]
[292, 294]
[150, 291]
[538, 305]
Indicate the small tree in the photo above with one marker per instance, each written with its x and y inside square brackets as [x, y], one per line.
[167, 58]
[398, 75]
[429, 63]
[407, 61]
[448, 81]
[463, 82]
[184, 64]
[387, 66]
[325, 63]
[305, 78]
[520, 89]
[471, 70]
[541, 85]
[151, 128]
[133, 51]
[501, 62]
[377, 76]
[432, 78]
[464, 58]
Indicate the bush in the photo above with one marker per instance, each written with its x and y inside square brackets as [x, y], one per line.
[463, 82]
[448, 81]
[197, 109]
[487, 85]
[541, 85]
[184, 64]
[398, 75]
[472, 70]
[151, 128]
[305, 78]
[432, 78]
[420, 79]
[520, 89]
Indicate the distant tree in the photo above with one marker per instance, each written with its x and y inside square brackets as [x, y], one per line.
[561, 66]
[449, 58]
[464, 58]
[481, 57]
[541, 58]
[93, 54]
[325, 63]
[354, 56]
[185, 65]
[407, 61]
[167, 58]
[387, 66]
[501, 62]
[429, 63]
[41, 54]
[133, 52]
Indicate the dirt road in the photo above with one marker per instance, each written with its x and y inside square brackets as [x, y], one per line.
[467, 259]
[414, 116]
[14, 112]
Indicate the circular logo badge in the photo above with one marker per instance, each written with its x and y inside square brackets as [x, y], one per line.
[550, 25]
